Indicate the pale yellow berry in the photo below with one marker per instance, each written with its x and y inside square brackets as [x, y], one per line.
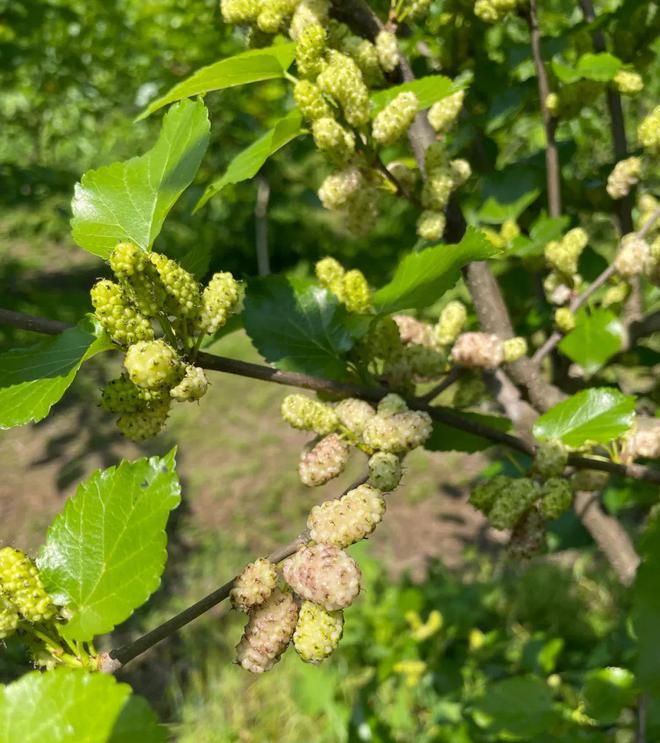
[349, 519]
[192, 387]
[625, 175]
[514, 349]
[324, 461]
[153, 364]
[254, 585]
[393, 121]
[431, 225]
[388, 50]
[444, 113]
[450, 323]
[628, 83]
[354, 414]
[317, 633]
[308, 414]
[565, 319]
[633, 256]
[482, 350]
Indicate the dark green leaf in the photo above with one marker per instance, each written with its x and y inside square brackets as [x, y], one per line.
[298, 326]
[33, 379]
[130, 200]
[447, 438]
[105, 552]
[137, 723]
[599, 414]
[428, 90]
[597, 336]
[507, 193]
[606, 692]
[646, 609]
[249, 67]
[422, 278]
[248, 162]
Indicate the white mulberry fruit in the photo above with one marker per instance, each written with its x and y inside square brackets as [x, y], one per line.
[354, 414]
[307, 414]
[192, 387]
[349, 519]
[254, 585]
[21, 586]
[480, 350]
[323, 462]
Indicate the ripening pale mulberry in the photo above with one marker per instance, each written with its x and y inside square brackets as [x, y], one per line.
[398, 433]
[565, 319]
[9, 618]
[550, 458]
[431, 225]
[342, 79]
[123, 323]
[273, 15]
[184, 293]
[444, 113]
[384, 471]
[21, 585]
[362, 212]
[324, 461]
[482, 350]
[450, 323]
[556, 497]
[349, 519]
[146, 422]
[121, 396]
[461, 170]
[355, 293]
[563, 255]
[192, 387]
[624, 176]
[353, 414]
[437, 189]
[391, 404]
[633, 256]
[514, 349]
[628, 83]
[365, 55]
[589, 480]
[268, 632]
[556, 288]
[412, 330]
[333, 139]
[393, 121]
[339, 187]
[153, 364]
[648, 132]
[308, 414]
[325, 575]
[308, 12]
[310, 50]
[318, 632]
[221, 298]
[528, 535]
[511, 503]
[254, 585]
[388, 50]
[239, 12]
[310, 101]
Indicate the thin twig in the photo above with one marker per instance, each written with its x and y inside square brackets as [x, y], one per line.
[35, 324]
[453, 376]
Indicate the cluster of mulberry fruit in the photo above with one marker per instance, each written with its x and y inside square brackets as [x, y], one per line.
[154, 293]
[562, 258]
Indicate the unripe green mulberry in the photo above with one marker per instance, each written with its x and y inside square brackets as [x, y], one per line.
[387, 50]
[310, 101]
[254, 585]
[624, 176]
[310, 50]
[353, 414]
[221, 298]
[347, 520]
[330, 273]
[324, 461]
[437, 189]
[563, 255]
[184, 293]
[628, 83]
[271, 19]
[444, 113]
[514, 349]
[470, 390]
[239, 12]
[309, 415]
[145, 423]
[153, 364]
[307, 13]
[123, 323]
[478, 350]
[21, 586]
[431, 225]
[391, 404]
[127, 259]
[336, 142]
[589, 480]
[384, 471]
[648, 132]
[556, 497]
[450, 323]
[550, 458]
[342, 79]
[355, 293]
[383, 339]
[424, 362]
[398, 433]
[512, 502]
[528, 535]
[484, 495]
[192, 387]
[436, 157]
[268, 632]
[365, 55]
[393, 121]
[565, 319]
[339, 187]
[120, 396]
[325, 575]
[318, 632]
[633, 256]
[9, 618]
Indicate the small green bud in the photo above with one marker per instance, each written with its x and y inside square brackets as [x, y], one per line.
[384, 471]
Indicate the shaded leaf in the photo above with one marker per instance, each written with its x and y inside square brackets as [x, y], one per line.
[130, 200]
[600, 414]
[606, 692]
[428, 90]
[646, 609]
[422, 278]
[248, 67]
[597, 336]
[105, 552]
[447, 438]
[33, 379]
[298, 326]
[248, 162]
